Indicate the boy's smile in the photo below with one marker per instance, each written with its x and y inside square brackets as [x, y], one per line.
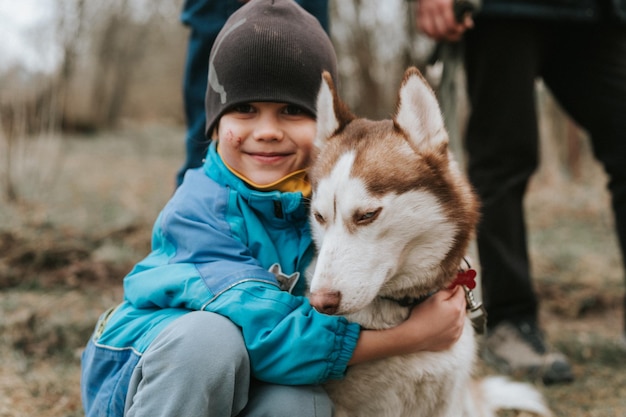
[266, 141]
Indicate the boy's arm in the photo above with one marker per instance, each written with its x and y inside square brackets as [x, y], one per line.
[436, 324]
[288, 341]
[291, 343]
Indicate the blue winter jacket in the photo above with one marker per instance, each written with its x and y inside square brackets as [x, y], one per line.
[212, 246]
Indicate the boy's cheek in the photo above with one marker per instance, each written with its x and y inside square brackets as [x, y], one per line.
[233, 139]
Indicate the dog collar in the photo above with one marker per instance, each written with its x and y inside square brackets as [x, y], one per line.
[408, 301]
[466, 277]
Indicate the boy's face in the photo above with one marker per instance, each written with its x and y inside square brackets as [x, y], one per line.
[265, 142]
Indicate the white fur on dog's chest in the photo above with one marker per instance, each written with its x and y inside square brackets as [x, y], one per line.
[416, 385]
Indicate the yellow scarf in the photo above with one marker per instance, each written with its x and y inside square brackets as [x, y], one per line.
[294, 182]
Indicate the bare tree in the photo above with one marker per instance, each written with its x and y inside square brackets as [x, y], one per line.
[358, 41]
[118, 51]
[70, 30]
[375, 42]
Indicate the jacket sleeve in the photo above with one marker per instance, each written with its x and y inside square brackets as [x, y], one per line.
[157, 282]
[194, 256]
[288, 341]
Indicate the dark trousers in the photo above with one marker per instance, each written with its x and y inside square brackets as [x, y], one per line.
[205, 19]
[584, 66]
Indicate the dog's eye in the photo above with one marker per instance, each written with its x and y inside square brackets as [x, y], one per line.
[319, 218]
[367, 217]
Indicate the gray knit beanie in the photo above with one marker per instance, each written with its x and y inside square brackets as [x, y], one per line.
[268, 50]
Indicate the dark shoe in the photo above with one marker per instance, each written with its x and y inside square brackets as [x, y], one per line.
[518, 349]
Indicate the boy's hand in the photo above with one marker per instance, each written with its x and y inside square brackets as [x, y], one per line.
[437, 20]
[439, 320]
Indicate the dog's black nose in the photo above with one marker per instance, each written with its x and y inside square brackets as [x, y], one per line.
[325, 301]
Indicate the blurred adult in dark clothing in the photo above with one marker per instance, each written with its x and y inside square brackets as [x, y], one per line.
[578, 49]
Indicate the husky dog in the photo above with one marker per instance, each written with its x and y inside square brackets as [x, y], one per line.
[392, 217]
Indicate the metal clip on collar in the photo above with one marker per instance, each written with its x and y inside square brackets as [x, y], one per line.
[476, 312]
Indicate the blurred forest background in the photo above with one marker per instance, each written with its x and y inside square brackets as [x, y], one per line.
[91, 135]
[95, 66]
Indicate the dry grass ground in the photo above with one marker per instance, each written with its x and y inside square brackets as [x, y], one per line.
[65, 248]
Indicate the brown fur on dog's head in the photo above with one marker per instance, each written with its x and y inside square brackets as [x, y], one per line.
[408, 154]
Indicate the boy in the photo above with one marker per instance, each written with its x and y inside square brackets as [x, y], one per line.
[205, 328]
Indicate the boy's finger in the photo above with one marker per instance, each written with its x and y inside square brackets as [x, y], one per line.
[448, 294]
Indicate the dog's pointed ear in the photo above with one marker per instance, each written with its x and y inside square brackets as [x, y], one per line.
[418, 113]
[332, 113]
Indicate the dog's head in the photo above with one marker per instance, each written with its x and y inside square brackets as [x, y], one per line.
[391, 214]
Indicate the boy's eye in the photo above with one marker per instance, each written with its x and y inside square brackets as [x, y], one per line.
[293, 110]
[243, 108]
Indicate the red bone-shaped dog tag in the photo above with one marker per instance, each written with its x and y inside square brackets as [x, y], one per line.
[467, 278]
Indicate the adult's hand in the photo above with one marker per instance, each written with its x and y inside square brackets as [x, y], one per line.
[436, 19]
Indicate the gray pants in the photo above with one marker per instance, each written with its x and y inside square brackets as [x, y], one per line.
[199, 366]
